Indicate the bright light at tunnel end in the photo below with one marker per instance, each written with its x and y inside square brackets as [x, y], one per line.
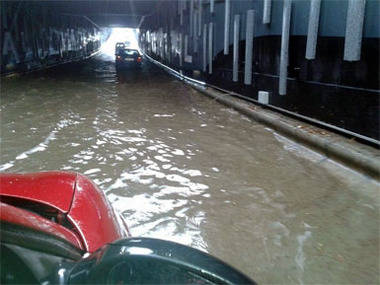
[124, 35]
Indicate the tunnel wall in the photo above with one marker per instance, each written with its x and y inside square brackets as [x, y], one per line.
[35, 36]
[326, 69]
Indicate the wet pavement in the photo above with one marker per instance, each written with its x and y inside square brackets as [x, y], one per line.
[182, 167]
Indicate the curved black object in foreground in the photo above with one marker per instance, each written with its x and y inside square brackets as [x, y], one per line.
[152, 261]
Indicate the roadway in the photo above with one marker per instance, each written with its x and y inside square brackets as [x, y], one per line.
[180, 166]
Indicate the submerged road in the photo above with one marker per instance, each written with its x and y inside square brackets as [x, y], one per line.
[182, 167]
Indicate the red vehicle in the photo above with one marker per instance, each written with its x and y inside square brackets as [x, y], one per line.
[58, 227]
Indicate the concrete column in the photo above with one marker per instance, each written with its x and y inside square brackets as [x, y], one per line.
[180, 49]
[26, 37]
[210, 45]
[4, 17]
[249, 31]
[235, 71]
[179, 7]
[195, 36]
[227, 26]
[181, 13]
[9, 47]
[312, 33]
[354, 30]
[284, 46]
[267, 11]
[200, 18]
[204, 47]
[191, 17]
[186, 50]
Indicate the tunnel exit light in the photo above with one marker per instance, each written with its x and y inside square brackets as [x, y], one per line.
[127, 36]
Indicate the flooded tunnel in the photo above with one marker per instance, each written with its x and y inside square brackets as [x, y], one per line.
[179, 166]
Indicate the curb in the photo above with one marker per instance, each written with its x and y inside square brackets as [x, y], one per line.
[360, 157]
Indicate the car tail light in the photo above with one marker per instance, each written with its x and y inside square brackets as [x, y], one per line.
[139, 59]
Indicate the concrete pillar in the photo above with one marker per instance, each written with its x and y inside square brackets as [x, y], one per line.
[354, 30]
[181, 13]
[9, 47]
[195, 34]
[210, 45]
[186, 49]
[180, 49]
[312, 33]
[227, 9]
[204, 47]
[191, 17]
[249, 31]
[4, 17]
[267, 11]
[235, 71]
[200, 18]
[179, 7]
[284, 46]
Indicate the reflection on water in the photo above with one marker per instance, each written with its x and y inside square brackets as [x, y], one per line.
[179, 166]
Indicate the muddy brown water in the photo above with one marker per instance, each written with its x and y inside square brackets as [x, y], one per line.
[182, 167]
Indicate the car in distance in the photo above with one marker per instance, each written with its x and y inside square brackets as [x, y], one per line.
[119, 46]
[128, 57]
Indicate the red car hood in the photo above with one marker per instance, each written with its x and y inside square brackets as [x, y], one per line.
[55, 189]
[71, 194]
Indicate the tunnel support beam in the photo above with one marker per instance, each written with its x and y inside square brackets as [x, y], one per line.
[195, 34]
[227, 26]
[354, 30]
[191, 18]
[180, 49]
[235, 71]
[210, 45]
[249, 46]
[204, 47]
[200, 8]
[312, 33]
[181, 8]
[267, 11]
[284, 47]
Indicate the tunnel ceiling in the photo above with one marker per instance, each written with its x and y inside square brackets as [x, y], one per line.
[111, 13]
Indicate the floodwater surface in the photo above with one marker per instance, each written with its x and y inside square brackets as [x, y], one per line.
[182, 167]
